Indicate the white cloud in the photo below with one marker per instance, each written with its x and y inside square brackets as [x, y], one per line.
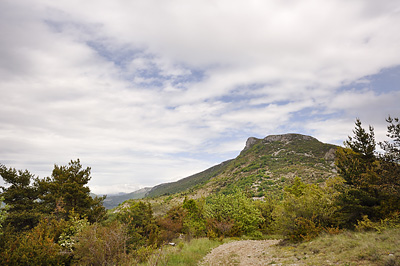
[150, 91]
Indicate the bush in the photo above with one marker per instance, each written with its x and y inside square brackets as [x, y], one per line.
[171, 225]
[367, 225]
[305, 210]
[233, 214]
[35, 247]
[266, 208]
[194, 223]
[102, 245]
[140, 223]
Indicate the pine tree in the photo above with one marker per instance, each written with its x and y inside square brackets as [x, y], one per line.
[372, 181]
[21, 199]
[66, 191]
[390, 166]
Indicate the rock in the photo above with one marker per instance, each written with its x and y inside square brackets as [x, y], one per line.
[250, 142]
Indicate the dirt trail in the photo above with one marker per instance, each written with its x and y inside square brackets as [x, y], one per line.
[245, 252]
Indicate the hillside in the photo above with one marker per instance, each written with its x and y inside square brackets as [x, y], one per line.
[113, 201]
[263, 168]
[267, 165]
[189, 182]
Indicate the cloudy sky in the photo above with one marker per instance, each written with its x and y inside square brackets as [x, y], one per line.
[151, 91]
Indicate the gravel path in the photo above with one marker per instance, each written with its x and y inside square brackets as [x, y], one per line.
[245, 252]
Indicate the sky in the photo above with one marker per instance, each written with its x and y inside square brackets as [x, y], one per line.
[147, 92]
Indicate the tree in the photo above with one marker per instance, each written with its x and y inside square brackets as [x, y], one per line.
[392, 149]
[21, 199]
[372, 181]
[390, 166]
[3, 213]
[363, 142]
[66, 191]
[141, 224]
[357, 165]
[233, 214]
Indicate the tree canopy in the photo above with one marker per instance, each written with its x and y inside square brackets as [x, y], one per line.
[67, 190]
[372, 180]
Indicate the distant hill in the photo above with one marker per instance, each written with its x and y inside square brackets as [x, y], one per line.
[263, 167]
[113, 201]
[187, 182]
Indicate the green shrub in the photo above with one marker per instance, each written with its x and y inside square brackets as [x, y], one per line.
[35, 247]
[367, 225]
[232, 215]
[194, 222]
[305, 210]
[141, 225]
[102, 245]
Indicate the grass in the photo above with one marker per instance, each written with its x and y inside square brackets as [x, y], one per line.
[184, 253]
[348, 248]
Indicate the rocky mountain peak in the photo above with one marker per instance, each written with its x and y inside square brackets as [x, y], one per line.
[287, 138]
[250, 142]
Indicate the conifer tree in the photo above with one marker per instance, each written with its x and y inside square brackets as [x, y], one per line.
[372, 181]
[66, 191]
[390, 167]
[21, 199]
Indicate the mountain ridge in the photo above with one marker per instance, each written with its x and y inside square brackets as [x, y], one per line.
[262, 168]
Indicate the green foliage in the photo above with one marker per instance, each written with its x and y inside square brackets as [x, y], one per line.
[298, 188]
[42, 217]
[74, 226]
[3, 213]
[266, 209]
[233, 214]
[141, 224]
[390, 167]
[392, 149]
[66, 190]
[21, 199]
[363, 142]
[389, 222]
[102, 245]
[34, 247]
[305, 210]
[372, 182]
[185, 254]
[347, 248]
[194, 221]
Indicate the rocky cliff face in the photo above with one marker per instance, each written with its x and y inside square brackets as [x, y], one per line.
[250, 142]
[285, 138]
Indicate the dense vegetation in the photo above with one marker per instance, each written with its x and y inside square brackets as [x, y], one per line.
[55, 221]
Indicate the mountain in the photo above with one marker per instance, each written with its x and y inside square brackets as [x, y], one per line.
[113, 201]
[263, 167]
[189, 182]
